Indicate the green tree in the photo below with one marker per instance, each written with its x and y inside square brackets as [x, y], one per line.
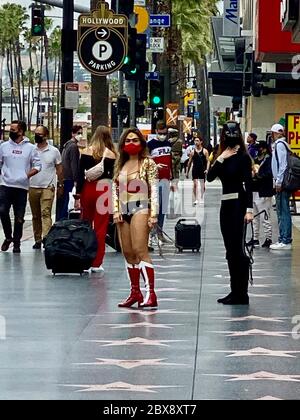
[13, 18]
[189, 40]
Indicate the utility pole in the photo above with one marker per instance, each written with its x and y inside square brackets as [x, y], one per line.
[121, 87]
[67, 45]
[100, 94]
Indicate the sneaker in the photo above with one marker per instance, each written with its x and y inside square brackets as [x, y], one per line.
[37, 245]
[253, 242]
[6, 244]
[281, 247]
[267, 243]
[196, 203]
[98, 270]
[17, 249]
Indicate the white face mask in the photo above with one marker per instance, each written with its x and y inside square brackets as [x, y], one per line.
[79, 137]
[162, 137]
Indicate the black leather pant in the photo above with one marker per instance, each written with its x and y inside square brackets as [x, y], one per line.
[16, 198]
[232, 227]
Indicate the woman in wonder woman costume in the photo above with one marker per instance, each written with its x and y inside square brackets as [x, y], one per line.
[135, 201]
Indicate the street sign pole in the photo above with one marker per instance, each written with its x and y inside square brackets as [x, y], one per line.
[131, 91]
[67, 69]
[121, 87]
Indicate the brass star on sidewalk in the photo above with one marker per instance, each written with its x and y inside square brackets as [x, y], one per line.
[259, 376]
[252, 318]
[136, 341]
[259, 351]
[129, 364]
[153, 312]
[141, 324]
[120, 386]
[254, 332]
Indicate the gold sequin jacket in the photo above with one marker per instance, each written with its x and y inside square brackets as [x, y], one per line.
[148, 174]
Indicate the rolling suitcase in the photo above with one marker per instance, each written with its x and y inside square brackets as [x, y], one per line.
[188, 235]
[70, 247]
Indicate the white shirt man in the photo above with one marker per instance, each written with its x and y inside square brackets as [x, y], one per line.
[43, 185]
[18, 163]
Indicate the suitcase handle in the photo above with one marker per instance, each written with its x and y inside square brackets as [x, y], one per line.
[188, 220]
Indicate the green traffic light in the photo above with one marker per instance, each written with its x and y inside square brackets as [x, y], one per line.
[133, 71]
[38, 29]
[156, 100]
[126, 61]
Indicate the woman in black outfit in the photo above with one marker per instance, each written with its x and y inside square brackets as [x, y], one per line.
[234, 168]
[199, 158]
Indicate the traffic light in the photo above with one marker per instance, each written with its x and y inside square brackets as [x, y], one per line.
[123, 105]
[129, 62]
[137, 59]
[247, 80]
[237, 102]
[157, 93]
[257, 78]
[37, 21]
[139, 109]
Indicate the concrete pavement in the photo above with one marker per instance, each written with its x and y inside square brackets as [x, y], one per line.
[65, 338]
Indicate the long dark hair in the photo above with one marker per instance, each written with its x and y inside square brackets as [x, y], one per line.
[239, 139]
[123, 156]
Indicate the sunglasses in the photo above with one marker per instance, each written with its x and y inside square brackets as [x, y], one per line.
[134, 140]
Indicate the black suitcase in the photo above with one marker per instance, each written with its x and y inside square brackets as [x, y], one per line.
[188, 235]
[112, 238]
[70, 247]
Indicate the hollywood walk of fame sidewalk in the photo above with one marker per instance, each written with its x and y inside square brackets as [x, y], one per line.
[65, 337]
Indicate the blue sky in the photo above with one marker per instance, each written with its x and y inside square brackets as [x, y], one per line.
[58, 12]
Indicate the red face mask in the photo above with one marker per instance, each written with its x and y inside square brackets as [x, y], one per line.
[132, 149]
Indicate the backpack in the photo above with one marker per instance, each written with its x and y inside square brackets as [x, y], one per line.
[291, 178]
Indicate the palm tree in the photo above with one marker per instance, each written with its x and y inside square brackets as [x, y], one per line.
[13, 18]
[55, 56]
[189, 41]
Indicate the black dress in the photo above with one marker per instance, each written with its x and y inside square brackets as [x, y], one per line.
[199, 164]
[235, 174]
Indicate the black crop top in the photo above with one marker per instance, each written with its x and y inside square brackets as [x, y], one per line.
[235, 174]
[87, 162]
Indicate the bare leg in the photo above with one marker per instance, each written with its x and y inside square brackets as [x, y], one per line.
[132, 267]
[202, 184]
[195, 189]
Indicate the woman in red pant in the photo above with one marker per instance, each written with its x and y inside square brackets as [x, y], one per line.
[135, 201]
[96, 172]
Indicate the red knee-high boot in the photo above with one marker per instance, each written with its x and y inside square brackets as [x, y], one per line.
[148, 274]
[133, 273]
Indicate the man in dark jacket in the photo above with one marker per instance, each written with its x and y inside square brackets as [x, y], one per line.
[262, 193]
[252, 145]
[70, 163]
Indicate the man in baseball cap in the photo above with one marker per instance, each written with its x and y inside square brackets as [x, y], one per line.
[279, 165]
[277, 129]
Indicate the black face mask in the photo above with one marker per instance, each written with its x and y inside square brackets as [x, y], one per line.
[38, 139]
[13, 135]
[231, 142]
